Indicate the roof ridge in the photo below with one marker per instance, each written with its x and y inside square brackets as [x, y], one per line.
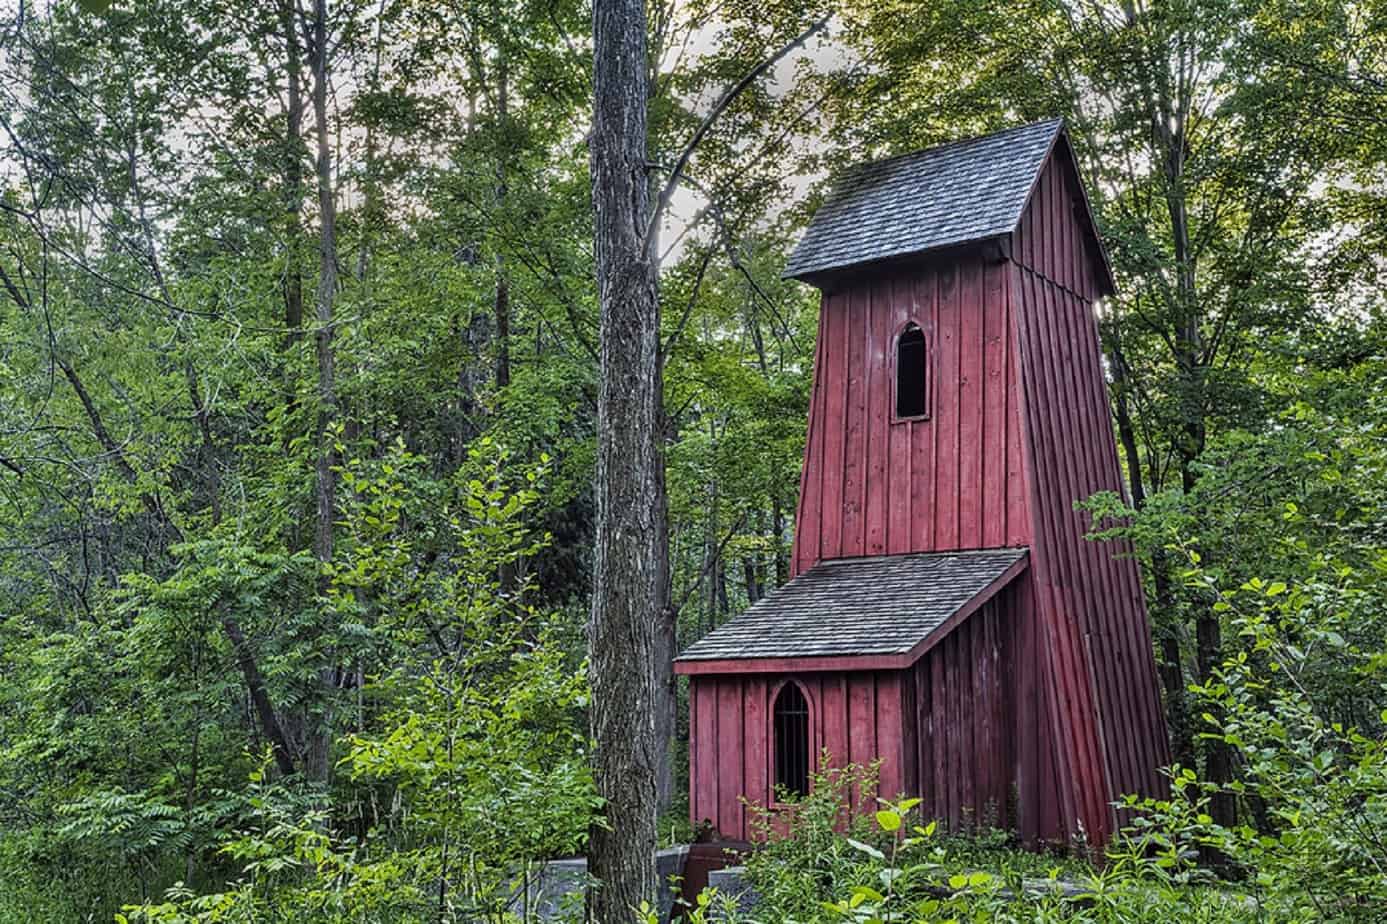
[1057, 121]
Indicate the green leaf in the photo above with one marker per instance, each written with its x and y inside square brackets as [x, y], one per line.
[888, 820]
[868, 849]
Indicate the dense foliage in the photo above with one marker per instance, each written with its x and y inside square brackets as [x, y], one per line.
[884, 864]
[298, 383]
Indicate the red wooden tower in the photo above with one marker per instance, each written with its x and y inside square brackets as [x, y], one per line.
[946, 614]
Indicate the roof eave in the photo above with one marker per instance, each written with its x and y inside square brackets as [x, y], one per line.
[801, 664]
[832, 278]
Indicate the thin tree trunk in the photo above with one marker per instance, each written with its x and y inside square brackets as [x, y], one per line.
[724, 607]
[1170, 662]
[710, 552]
[1189, 362]
[259, 696]
[293, 179]
[291, 168]
[316, 756]
[627, 609]
[1171, 665]
[782, 556]
[169, 532]
[502, 302]
[370, 187]
[666, 636]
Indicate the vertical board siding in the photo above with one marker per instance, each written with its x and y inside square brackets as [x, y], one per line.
[757, 775]
[820, 538]
[1074, 705]
[874, 485]
[1091, 602]
[811, 472]
[899, 490]
[946, 423]
[703, 749]
[730, 766]
[972, 404]
[965, 728]
[856, 716]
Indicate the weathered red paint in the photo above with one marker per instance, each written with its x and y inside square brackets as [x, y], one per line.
[1096, 609]
[874, 486]
[1039, 707]
[853, 716]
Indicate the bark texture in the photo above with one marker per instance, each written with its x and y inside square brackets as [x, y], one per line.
[626, 606]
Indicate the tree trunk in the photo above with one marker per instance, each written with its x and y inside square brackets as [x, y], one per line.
[371, 218]
[502, 302]
[710, 554]
[293, 179]
[627, 610]
[291, 167]
[1170, 663]
[1190, 365]
[501, 305]
[666, 634]
[169, 532]
[782, 551]
[751, 579]
[316, 752]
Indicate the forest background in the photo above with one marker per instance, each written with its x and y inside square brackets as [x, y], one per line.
[298, 388]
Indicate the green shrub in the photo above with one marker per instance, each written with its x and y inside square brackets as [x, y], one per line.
[822, 863]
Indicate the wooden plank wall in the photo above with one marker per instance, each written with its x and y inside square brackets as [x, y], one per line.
[1093, 615]
[854, 717]
[1026, 665]
[964, 729]
[964, 742]
[874, 486]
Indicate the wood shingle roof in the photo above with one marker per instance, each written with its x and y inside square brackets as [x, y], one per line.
[946, 196]
[888, 605]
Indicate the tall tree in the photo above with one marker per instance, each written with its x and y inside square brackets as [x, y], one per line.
[627, 571]
[325, 474]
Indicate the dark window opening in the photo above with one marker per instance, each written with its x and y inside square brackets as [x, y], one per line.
[791, 742]
[910, 373]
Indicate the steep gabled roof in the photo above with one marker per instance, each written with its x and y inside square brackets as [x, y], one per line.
[851, 607]
[947, 196]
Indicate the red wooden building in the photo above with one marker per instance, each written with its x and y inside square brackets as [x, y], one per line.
[946, 614]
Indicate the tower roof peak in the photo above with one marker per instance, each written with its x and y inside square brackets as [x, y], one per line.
[947, 196]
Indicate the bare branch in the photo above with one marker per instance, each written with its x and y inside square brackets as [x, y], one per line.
[712, 561]
[718, 109]
[688, 309]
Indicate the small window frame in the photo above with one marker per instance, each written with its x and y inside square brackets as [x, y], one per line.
[773, 800]
[896, 417]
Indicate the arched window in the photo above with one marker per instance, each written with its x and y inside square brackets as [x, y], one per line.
[791, 741]
[910, 373]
